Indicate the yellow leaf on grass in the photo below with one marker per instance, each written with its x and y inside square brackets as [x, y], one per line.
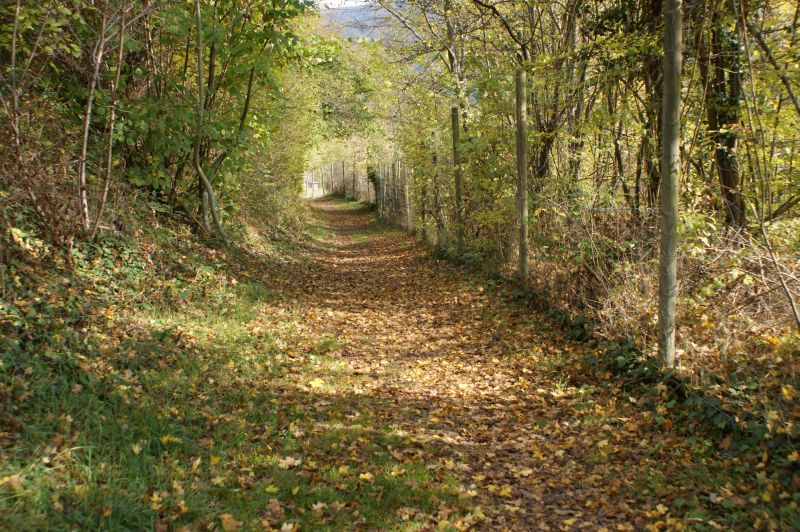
[366, 476]
[57, 506]
[271, 489]
[505, 491]
[12, 483]
[317, 383]
[229, 523]
[788, 392]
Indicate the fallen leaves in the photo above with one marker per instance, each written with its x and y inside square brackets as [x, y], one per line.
[169, 439]
[381, 388]
[289, 462]
[229, 523]
[274, 509]
[12, 483]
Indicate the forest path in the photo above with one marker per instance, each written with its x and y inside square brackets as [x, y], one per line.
[463, 381]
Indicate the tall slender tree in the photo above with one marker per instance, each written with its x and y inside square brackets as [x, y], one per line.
[670, 174]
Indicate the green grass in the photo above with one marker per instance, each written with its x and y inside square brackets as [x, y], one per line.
[354, 205]
[318, 232]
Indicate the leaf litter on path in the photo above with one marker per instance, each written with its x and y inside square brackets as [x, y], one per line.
[473, 388]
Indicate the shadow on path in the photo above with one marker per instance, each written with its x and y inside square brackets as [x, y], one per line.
[425, 351]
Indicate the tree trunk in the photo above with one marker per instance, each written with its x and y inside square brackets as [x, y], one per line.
[97, 57]
[209, 190]
[670, 174]
[458, 171]
[725, 93]
[521, 94]
[382, 187]
[423, 212]
[653, 79]
[441, 237]
[111, 122]
[407, 202]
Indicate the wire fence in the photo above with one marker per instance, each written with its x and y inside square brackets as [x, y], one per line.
[384, 184]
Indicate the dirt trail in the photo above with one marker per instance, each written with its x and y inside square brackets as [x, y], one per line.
[480, 388]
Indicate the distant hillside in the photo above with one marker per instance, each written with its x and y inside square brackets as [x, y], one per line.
[354, 20]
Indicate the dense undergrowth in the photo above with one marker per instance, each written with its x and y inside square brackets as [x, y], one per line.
[747, 401]
[744, 413]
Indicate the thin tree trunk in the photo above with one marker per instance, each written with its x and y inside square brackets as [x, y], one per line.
[111, 119]
[186, 53]
[175, 178]
[14, 89]
[637, 186]
[383, 191]
[97, 57]
[407, 200]
[458, 172]
[670, 174]
[423, 212]
[209, 190]
[521, 92]
[437, 203]
[653, 78]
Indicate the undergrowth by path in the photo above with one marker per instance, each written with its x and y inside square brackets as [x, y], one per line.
[347, 381]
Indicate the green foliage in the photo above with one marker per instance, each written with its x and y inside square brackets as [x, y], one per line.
[56, 48]
[725, 410]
